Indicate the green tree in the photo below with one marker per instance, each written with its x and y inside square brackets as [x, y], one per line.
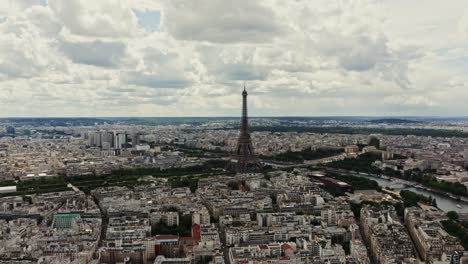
[453, 215]
[374, 141]
[172, 209]
[412, 199]
[454, 229]
[233, 185]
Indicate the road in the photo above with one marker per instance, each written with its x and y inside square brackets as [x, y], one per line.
[74, 188]
[104, 222]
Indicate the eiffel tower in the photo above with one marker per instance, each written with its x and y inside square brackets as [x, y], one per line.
[244, 160]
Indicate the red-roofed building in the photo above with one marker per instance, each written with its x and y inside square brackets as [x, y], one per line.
[287, 250]
[196, 232]
[242, 187]
[264, 247]
[166, 245]
[167, 237]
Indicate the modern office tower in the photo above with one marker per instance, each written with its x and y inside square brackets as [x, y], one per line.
[97, 139]
[107, 139]
[121, 140]
[135, 139]
[244, 159]
[116, 140]
[106, 145]
[90, 137]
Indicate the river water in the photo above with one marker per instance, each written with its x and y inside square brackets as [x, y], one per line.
[443, 202]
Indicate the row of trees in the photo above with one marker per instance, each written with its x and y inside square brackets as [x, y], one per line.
[208, 166]
[202, 153]
[412, 199]
[124, 177]
[430, 181]
[39, 185]
[307, 154]
[358, 183]
[365, 130]
[178, 182]
[362, 163]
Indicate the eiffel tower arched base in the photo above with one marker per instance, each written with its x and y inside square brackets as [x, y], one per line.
[242, 165]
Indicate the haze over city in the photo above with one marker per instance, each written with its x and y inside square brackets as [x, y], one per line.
[190, 58]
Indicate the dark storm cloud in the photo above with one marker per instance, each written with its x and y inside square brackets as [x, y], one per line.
[221, 21]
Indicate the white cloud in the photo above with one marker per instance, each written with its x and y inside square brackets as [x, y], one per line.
[97, 52]
[103, 18]
[11, 8]
[24, 53]
[43, 18]
[463, 26]
[345, 57]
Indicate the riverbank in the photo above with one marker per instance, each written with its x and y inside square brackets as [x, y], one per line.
[445, 201]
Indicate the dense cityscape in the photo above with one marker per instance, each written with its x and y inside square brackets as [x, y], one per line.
[200, 191]
[233, 132]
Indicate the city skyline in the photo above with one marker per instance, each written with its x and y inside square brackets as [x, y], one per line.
[114, 58]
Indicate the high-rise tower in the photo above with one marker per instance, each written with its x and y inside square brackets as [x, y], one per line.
[244, 159]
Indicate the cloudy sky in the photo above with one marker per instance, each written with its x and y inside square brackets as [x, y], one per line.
[190, 57]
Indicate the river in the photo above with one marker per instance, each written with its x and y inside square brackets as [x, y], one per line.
[443, 202]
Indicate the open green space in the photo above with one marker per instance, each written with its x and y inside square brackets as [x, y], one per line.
[132, 177]
[40, 185]
[124, 177]
[307, 154]
[201, 153]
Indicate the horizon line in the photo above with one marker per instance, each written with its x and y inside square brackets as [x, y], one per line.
[229, 116]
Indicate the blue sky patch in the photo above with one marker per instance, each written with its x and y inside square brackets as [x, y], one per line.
[149, 20]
